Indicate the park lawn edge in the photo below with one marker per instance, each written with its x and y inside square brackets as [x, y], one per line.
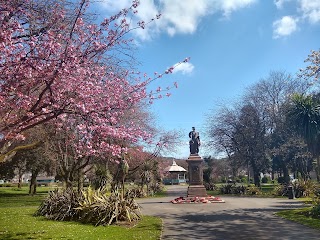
[17, 222]
[300, 216]
[31, 227]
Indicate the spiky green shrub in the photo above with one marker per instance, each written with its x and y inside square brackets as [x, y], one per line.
[90, 206]
[100, 209]
[253, 190]
[304, 188]
[315, 210]
[136, 192]
[279, 190]
[60, 205]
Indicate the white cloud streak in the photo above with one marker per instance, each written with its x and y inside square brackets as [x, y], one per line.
[178, 17]
[280, 3]
[229, 6]
[284, 26]
[184, 68]
[311, 10]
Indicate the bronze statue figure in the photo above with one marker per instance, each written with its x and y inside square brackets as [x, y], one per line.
[194, 141]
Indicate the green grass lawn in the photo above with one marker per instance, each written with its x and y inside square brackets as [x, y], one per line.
[300, 216]
[17, 222]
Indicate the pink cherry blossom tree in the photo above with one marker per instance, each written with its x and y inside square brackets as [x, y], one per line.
[56, 67]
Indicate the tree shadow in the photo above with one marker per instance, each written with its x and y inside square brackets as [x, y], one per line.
[237, 224]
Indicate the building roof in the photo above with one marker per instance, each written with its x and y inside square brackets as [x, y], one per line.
[175, 168]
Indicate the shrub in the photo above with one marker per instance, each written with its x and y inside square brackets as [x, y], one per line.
[156, 187]
[232, 189]
[99, 209]
[90, 206]
[279, 190]
[60, 205]
[281, 180]
[304, 188]
[225, 189]
[210, 186]
[265, 179]
[136, 192]
[315, 211]
[253, 190]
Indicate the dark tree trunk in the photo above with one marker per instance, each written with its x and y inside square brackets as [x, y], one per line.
[256, 177]
[80, 180]
[33, 183]
[317, 169]
[20, 179]
[68, 180]
[286, 174]
[256, 174]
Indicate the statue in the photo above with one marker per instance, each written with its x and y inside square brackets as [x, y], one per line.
[194, 141]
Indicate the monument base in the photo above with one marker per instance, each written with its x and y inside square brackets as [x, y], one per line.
[196, 188]
[197, 191]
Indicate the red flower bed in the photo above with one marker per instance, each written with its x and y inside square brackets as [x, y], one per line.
[208, 199]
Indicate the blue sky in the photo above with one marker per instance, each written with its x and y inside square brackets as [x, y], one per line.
[232, 44]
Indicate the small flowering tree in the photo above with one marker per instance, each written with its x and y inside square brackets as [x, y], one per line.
[55, 68]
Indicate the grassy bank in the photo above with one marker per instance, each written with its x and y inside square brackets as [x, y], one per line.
[300, 216]
[17, 222]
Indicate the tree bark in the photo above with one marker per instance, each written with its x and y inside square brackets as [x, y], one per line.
[33, 183]
[80, 180]
[318, 169]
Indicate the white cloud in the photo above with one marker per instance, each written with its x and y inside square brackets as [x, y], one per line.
[280, 3]
[229, 6]
[311, 10]
[183, 16]
[178, 17]
[116, 6]
[184, 68]
[284, 27]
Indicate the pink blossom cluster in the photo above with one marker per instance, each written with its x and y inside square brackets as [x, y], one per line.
[312, 71]
[60, 72]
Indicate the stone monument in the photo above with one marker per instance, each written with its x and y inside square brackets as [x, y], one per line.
[195, 167]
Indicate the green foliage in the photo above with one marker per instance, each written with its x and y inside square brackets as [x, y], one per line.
[315, 211]
[99, 209]
[265, 179]
[301, 216]
[232, 189]
[281, 180]
[102, 177]
[304, 188]
[210, 186]
[253, 190]
[279, 190]
[90, 206]
[156, 187]
[60, 205]
[136, 192]
[239, 189]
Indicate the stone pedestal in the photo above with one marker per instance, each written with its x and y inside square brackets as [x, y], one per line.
[195, 168]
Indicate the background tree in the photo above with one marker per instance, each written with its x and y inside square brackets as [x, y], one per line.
[304, 115]
[255, 122]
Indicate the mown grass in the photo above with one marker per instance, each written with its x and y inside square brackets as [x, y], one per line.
[300, 216]
[17, 222]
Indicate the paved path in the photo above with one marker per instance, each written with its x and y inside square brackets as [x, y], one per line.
[239, 218]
